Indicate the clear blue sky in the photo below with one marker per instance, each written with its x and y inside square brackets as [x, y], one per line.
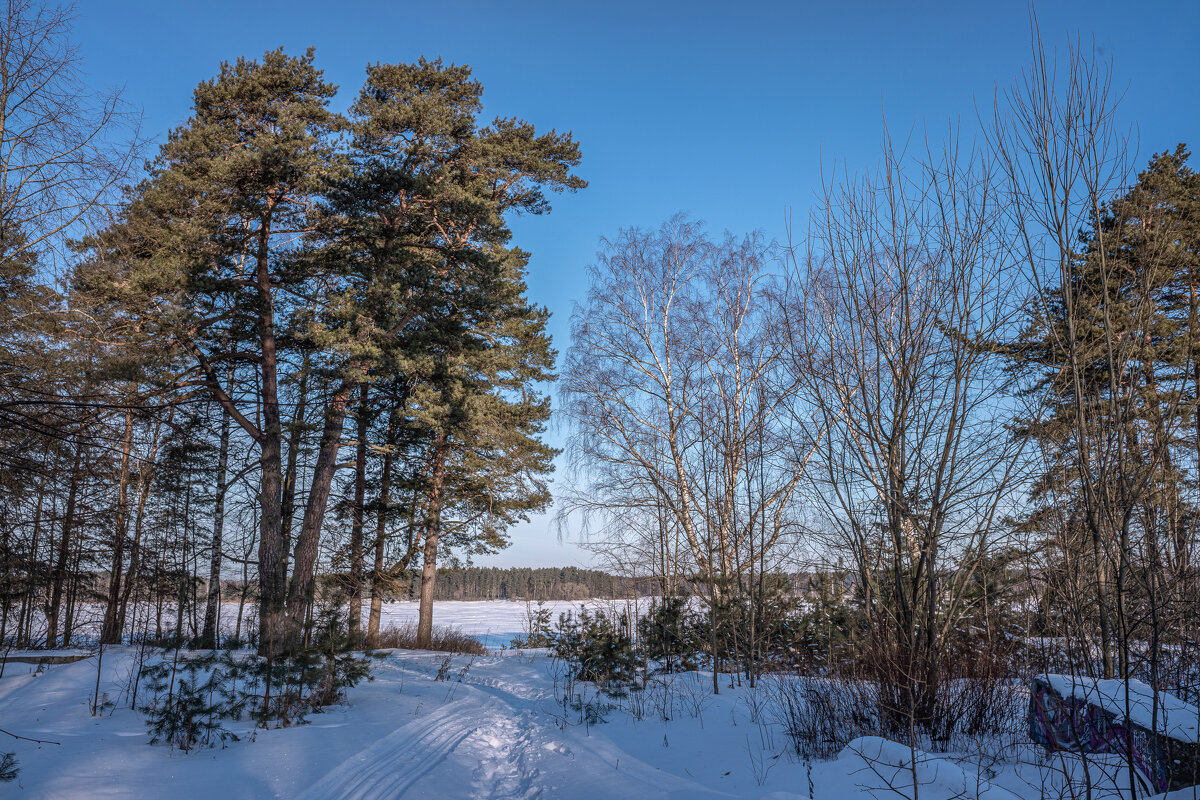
[725, 110]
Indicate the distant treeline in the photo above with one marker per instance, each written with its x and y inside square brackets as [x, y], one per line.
[572, 583]
[525, 583]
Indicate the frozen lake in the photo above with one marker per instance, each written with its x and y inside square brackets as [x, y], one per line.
[493, 622]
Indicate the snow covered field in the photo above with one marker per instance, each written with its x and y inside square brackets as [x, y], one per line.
[492, 729]
[494, 622]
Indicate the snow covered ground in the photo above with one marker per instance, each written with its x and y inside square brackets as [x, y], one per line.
[493, 729]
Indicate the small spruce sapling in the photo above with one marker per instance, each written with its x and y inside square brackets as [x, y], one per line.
[191, 711]
[599, 649]
[8, 767]
[538, 632]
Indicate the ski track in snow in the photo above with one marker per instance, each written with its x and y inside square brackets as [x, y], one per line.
[488, 731]
[391, 766]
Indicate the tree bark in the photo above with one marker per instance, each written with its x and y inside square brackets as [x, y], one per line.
[385, 486]
[295, 437]
[432, 535]
[209, 638]
[111, 630]
[145, 482]
[272, 585]
[305, 556]
[64, 549]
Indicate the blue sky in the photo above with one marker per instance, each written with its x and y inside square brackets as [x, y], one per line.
[724, 110]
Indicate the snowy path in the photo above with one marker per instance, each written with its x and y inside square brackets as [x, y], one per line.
[493, 731]
[391, 766]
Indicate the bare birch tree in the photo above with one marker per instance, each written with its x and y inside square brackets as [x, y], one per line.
[674, 387]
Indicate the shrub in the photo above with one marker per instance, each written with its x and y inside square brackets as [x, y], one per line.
[821, 716]
[189, 701]
[445, 640]
[191, 694]
[598, 649]
[670, 635]
[537, 628]
[8, 767]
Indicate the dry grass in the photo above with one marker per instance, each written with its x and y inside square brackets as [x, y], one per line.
[445, 639]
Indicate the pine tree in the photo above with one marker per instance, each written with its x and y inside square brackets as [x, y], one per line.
[422, 213]
[229, 192]
[1114, 352]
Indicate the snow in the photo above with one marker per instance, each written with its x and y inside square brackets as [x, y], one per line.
[1174, 717]
[495, 729]
[496, 733]
[494, 622]
[879, 766]
[39, 655]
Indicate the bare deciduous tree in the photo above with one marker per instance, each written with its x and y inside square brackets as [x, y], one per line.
[904, 278]
[64, 148]
[680, 411]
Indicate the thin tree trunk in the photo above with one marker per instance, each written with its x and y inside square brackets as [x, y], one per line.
[29, 598]
[64, 549]
[385, 485]
[145, 476]
[72, 594]
[184, 574]
[209, 638]
[295, 440]
[356, 526]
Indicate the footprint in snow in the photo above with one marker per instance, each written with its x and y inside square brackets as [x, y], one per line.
[558, 747]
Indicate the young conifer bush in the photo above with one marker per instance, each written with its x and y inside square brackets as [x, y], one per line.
[192, 695]
[670, 635]
[599, 649]
[189, 701]
[539, 630]
[8, 767]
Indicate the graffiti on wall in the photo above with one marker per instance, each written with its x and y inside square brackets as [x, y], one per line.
[1072, 724]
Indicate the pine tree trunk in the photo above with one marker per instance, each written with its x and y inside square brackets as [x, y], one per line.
[271, 553]
[6, 601]
[295, 436]
[305, 557]
[181, 601]
[1188, 577]
[145, 482]
[72, 594]
[26, 622]
[385, 486]
[432, 535]
[64, 550]
[111, 630]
